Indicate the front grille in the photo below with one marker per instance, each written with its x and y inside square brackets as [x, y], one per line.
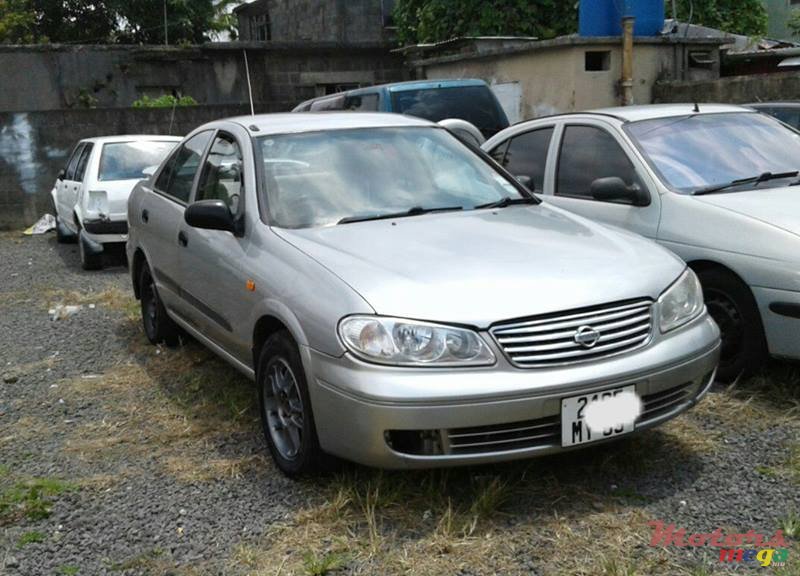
[502, 437]
[660, 403]
[553, 339]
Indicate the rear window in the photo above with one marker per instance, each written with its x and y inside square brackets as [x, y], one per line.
[475, 104]
[127, 160]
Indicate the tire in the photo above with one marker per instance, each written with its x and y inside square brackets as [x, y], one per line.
[285, 408]
[89, 260]
[732, 305]
[158, 326]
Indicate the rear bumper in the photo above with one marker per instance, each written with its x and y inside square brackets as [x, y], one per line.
[780, 314]
[106, 227]
[358, 413]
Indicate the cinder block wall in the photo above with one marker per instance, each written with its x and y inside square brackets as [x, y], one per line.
[34, 146]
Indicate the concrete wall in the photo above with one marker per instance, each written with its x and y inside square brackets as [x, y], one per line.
[57, 77]
[340, 21]
[732, 89]
[35, 145]
[554, 79]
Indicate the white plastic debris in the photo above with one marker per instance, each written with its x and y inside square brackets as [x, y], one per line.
[62, 312]
[43, 226]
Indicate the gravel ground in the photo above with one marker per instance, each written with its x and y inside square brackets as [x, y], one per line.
[170, 476]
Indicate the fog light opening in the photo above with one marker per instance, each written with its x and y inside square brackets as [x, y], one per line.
[415, 442]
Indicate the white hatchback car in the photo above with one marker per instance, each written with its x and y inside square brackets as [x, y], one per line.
[718, 185]
[91, 193]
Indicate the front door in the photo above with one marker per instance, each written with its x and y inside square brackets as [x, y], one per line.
[214, 282]
[588, 152]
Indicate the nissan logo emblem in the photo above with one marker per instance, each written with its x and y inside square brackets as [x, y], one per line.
[587, 336]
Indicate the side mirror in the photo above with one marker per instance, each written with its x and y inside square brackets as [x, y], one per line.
[210, 215]
[614, 189]
[61, 174]
[149, 171]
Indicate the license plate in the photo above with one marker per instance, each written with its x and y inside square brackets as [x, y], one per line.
[574, 429]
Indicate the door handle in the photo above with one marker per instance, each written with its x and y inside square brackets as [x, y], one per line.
[145, 216]
[182, 239]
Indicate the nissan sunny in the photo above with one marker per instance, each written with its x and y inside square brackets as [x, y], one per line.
[402, 302]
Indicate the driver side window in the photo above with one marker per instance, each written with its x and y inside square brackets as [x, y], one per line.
[587, 154]
[222, 177]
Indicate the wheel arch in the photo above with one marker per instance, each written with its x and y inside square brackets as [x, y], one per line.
[139, 260]
[266, 326]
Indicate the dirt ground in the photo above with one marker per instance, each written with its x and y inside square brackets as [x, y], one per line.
[117, 457]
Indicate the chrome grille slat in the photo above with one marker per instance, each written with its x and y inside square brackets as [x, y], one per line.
[516, 440]
[576, 322]
[569, 333]
[571, 345]
[551, 340]
[501, 431]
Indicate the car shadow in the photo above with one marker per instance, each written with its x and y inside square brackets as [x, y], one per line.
[114, 256]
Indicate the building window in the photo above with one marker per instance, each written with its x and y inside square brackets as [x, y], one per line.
[598, 61]
[260, 28]
[387, 10]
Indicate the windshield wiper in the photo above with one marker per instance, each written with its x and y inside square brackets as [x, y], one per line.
[765, 177]
[508, 201]
[415, 211]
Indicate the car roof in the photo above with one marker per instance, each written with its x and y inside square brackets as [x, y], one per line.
[654, 111]
[132, 138]
[432, 83]
[296, 122]
[777, 104]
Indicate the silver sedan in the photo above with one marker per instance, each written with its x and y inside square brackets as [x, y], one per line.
[402, 302]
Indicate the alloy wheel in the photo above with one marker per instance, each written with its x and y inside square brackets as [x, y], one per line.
[283, 407]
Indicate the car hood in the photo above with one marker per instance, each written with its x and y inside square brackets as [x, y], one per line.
[779, 207]
[483, 266]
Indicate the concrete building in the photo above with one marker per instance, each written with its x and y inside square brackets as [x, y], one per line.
[342, 21]
[537, 78]
[779, 13]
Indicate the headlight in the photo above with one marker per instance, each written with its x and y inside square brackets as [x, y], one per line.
[409, 343]
[681, 303]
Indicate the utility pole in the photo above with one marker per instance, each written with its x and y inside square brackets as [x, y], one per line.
[166, 26]
[627, 59]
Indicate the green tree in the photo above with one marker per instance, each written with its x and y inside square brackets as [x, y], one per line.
[189, 21]
[421, 21]
[73, 21]
[17, 22]
[747, 17]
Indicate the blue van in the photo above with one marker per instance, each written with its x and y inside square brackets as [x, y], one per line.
[434, 100]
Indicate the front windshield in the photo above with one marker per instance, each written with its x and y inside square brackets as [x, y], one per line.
[127, 160]
[320, 178]
[705, 150]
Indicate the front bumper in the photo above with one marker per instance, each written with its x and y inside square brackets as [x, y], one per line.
[780, 311]
[363, 412]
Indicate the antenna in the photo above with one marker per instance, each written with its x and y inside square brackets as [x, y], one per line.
[696, 108]
[249, 86]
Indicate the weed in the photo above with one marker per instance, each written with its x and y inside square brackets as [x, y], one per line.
[790, 524]
[320, 565]
[31, 498]
[30, 538]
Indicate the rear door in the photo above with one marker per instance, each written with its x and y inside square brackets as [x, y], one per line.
[588, 150]
[160, 216]
[64, 189]
[214, 282]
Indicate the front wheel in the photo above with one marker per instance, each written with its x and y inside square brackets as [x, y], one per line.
[732, 305]
[285, 408]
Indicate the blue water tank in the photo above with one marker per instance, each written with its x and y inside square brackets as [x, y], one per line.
[604, 17]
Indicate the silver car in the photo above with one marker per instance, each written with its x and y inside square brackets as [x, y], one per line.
[717, 185]
[402, 302]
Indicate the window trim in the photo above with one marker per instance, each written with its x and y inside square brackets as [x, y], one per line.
[553, 137]
[76, 155]
[561, 141]
[172, 156]
[243, 196]
[88, 148]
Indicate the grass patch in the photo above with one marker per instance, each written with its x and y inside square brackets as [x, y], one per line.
[68, 570]
[314, 565]
[790, 524]
[30, 538]
[31, 499]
